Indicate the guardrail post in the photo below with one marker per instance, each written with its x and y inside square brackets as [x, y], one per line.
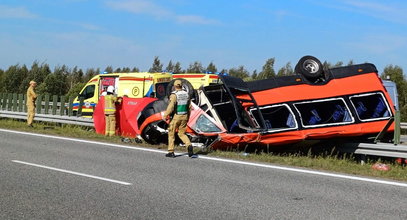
[70, 106]
[397, 128]
[46, 104]
[15, 104]
[9, 101]
[20, 102]
[81, 100]
[38, 104]
[25, 103]
[54, 104]
[1, 100]
[62, 107]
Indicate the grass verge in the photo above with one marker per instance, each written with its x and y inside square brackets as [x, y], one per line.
[326, 161]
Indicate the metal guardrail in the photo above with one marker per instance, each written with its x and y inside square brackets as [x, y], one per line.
[379, 149]
[55, 110]
[49, 118]
[403, 125]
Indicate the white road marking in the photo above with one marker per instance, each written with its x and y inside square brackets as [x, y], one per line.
[298, 170]
[71, 172]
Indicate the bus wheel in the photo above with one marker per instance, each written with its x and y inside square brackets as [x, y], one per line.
[310, 67]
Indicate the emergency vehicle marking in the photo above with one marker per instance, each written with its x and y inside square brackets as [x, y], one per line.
[134, 79]
[188, 76]
[76, 105]
[164, 79]
[135, 91]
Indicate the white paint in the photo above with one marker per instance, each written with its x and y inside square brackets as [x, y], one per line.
[71, 172]
[223, 160]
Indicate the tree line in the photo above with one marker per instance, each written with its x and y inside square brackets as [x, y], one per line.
[63, 80]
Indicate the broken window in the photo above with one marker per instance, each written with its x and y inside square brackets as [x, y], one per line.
[371, 106]
[203, 124]
[324, 112]
[277, 117]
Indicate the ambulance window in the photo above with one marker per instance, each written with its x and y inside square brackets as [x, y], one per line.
[160, 90]
[88, 92]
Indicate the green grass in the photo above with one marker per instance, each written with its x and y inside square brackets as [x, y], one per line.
[325, 161]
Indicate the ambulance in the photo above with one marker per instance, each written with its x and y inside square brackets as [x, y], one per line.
[198, 79]
[132, 85]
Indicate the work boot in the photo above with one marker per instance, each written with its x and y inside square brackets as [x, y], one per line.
[190, 151]
[170, 154]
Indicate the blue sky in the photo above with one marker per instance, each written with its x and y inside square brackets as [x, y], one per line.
[129, 33]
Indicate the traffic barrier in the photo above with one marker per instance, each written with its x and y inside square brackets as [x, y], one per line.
[48, 108]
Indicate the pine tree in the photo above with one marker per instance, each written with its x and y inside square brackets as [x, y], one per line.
[254, 75]
[170, 67]
[126, 70]
[109, 69]
[13, 78]
[157, 66]
[1, 80]
[268, 70]
[211, 68]
[395, 74]
[239, 72]
[178, 68]
[195, 67]
[56, 82]
[286, 70]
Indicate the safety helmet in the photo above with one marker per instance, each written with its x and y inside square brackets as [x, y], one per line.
[110, 89]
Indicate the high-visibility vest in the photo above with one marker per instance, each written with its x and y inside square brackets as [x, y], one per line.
[182, 102]
[110, 107]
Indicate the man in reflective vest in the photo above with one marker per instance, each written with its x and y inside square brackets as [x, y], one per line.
[110, 111]
[179, 107]
[31, 97]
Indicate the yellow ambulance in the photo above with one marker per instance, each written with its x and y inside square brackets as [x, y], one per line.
[133, 85]
[198, 79]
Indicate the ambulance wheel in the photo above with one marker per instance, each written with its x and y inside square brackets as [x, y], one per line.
[186, 85]
[310, 67]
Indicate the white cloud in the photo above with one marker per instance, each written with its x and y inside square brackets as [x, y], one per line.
[386, 11]
[380, 43]
[194, 19]
[158, 12]
[140, 7]
[16, 12]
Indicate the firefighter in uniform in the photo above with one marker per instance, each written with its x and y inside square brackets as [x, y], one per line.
[179, 107]
[110, 111]
[31, 97]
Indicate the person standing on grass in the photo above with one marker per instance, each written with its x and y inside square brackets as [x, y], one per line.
[110, 111]
[179, 107]
[31, 97]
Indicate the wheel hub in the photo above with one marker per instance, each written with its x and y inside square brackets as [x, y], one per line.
[311, 66]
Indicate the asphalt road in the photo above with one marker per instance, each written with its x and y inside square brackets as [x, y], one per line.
[51, 178]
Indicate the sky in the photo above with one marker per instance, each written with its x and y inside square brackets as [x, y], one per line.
[229, 33]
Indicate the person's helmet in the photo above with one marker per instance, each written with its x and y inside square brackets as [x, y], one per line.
[110, 89]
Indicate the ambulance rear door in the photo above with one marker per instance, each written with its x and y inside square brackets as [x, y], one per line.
[106, 81]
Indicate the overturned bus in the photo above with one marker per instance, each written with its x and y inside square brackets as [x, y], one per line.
[345, 103]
